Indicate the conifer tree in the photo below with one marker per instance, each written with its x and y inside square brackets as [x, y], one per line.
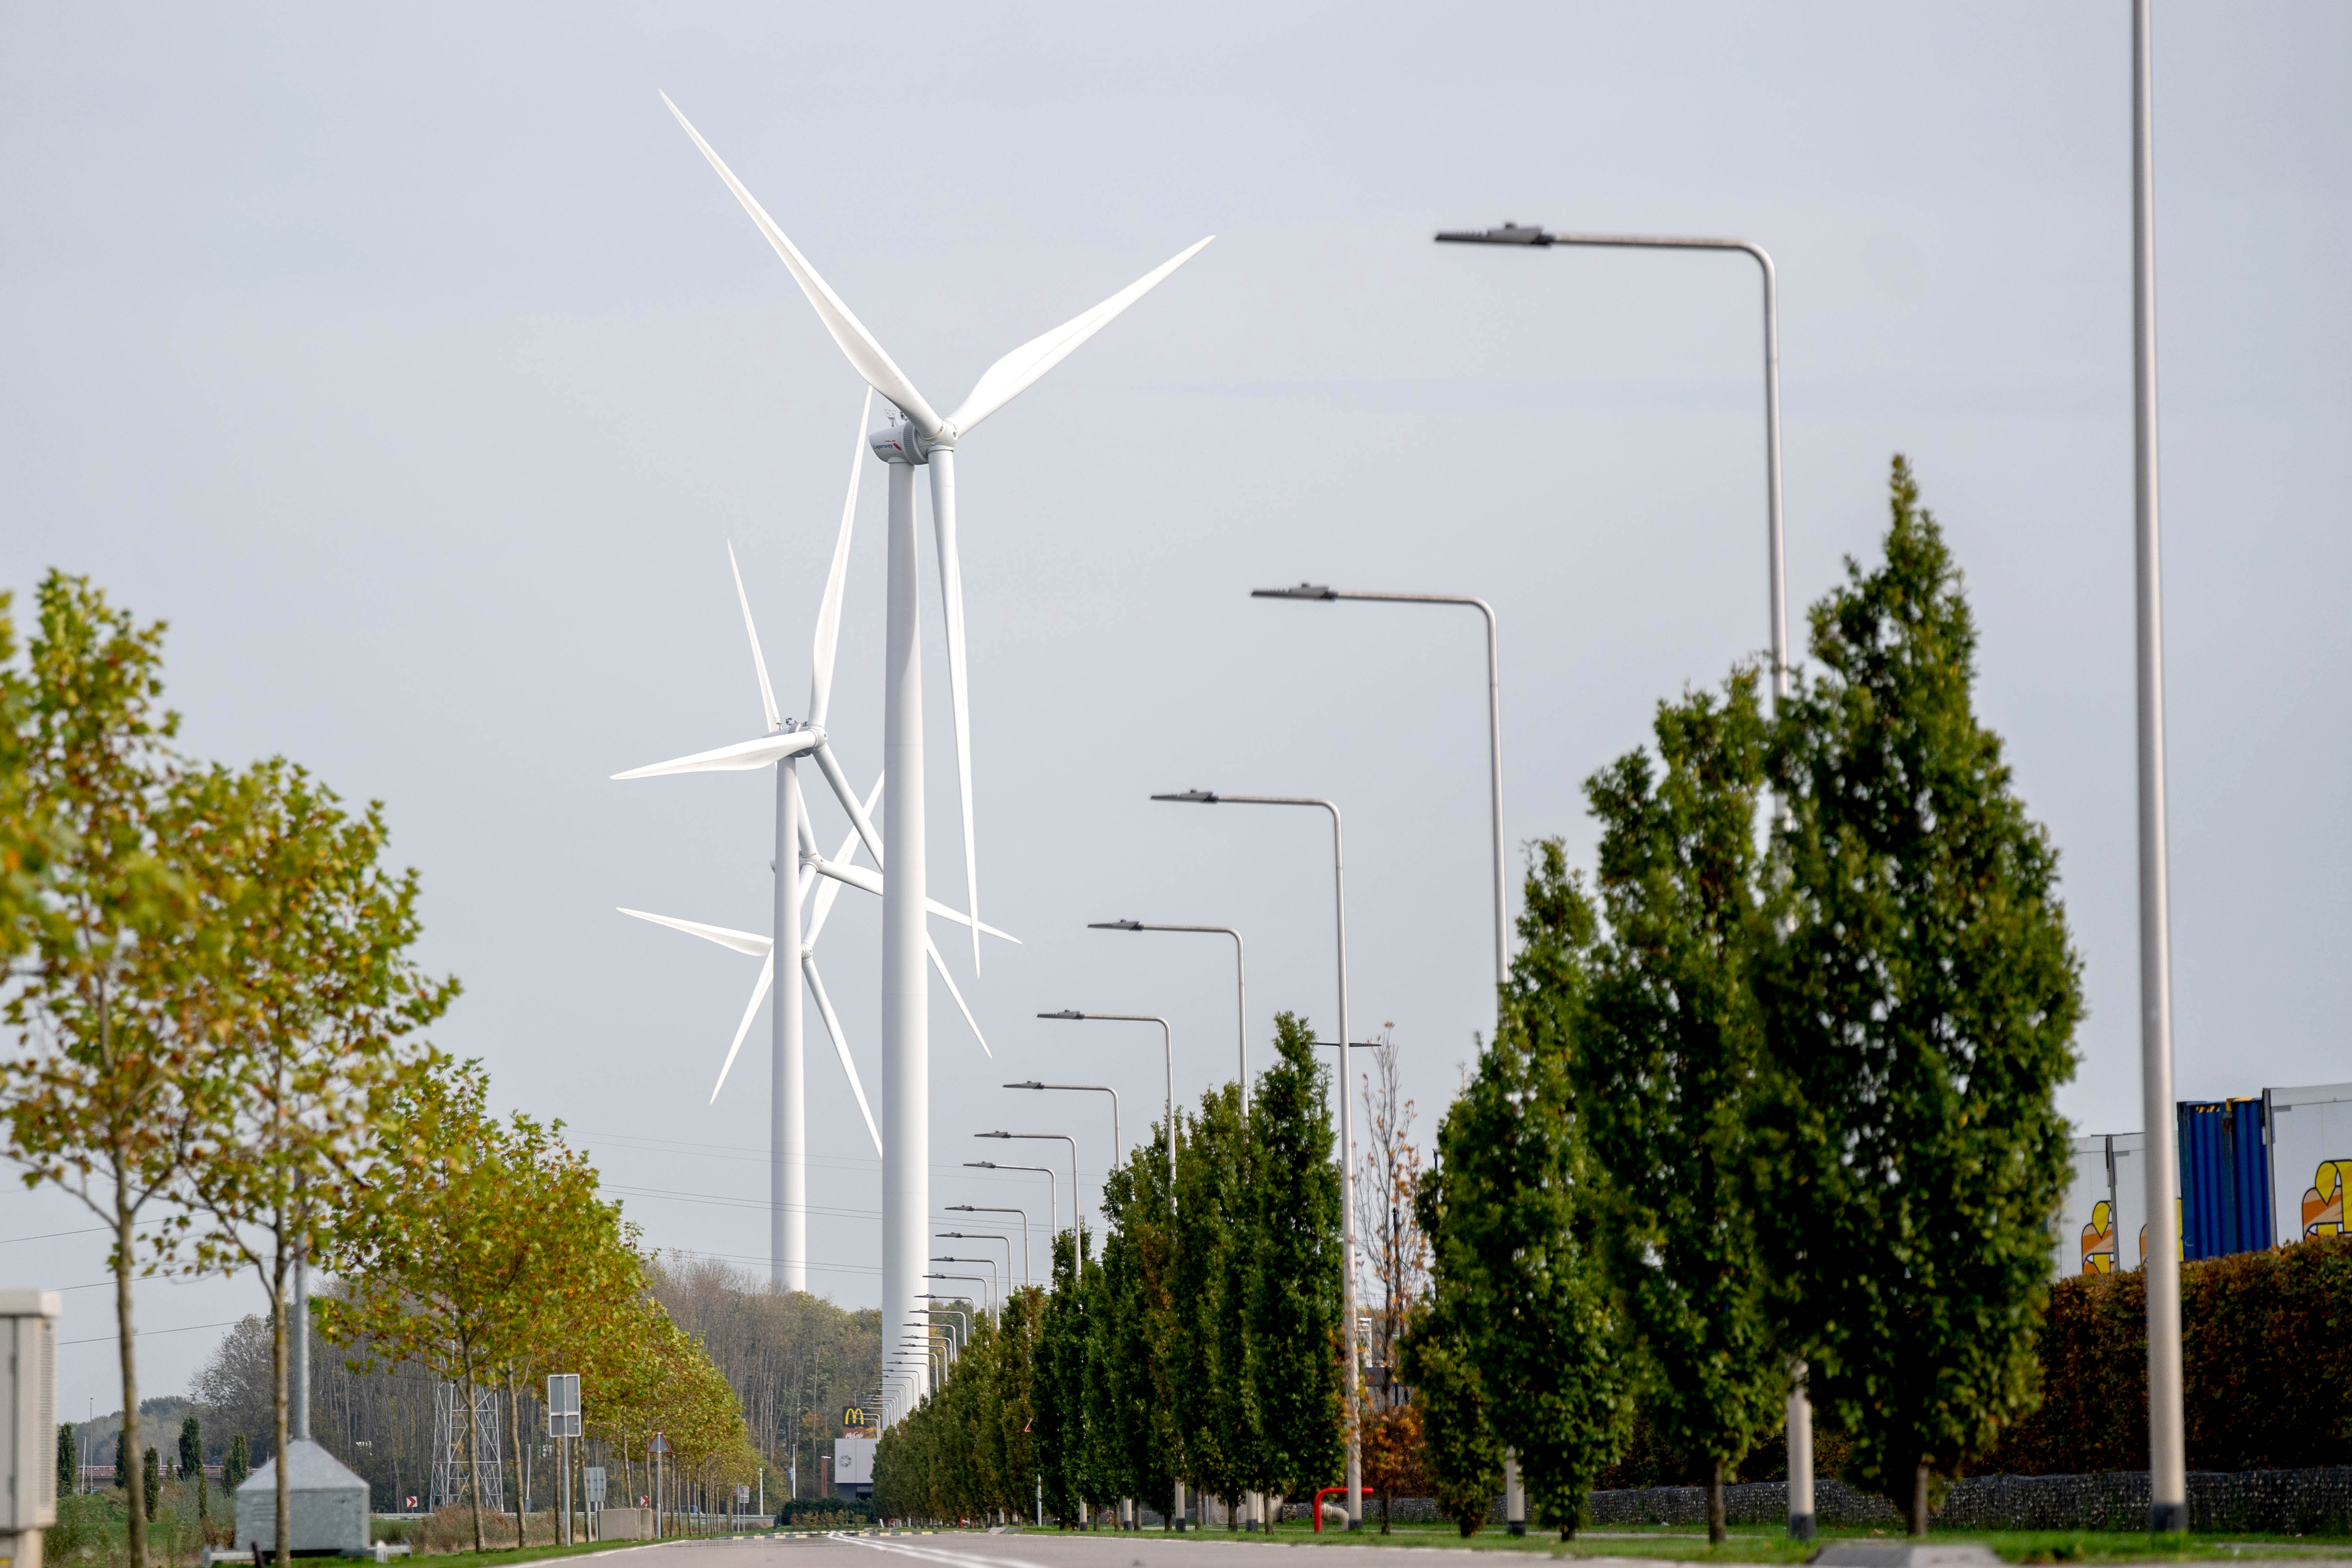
[1919, 1009]
[69, 1461]
[1217, 1412]
[1465, 1458]
[1664, 1077]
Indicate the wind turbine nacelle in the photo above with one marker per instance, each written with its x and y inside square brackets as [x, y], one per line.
[900, 442]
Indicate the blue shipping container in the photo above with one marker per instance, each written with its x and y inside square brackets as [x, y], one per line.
[2225, 1178]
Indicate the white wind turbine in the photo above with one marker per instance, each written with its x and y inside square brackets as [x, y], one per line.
[919, 438]
[796, 851]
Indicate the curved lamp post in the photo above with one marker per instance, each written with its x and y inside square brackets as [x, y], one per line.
[1240, 981]
[1077, 1216]
[1053, 1192]
[1168, 1041]
[1026, 1278]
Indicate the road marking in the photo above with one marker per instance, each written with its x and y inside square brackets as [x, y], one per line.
[935, 1554]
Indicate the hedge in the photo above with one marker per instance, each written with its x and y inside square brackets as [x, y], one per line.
[2266, 1347]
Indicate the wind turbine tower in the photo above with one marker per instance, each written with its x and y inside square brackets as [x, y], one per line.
[919, 438]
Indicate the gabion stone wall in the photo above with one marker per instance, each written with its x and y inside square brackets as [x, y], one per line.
[2288, 1501]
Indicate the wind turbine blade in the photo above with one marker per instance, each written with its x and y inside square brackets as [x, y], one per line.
[744, 942]
[866, 881]
[828, 887]
[1009, 377]
[865, 354]
[840, 1046]
[858, 811]
[828, 615]
[740, 758]
[759, 661]
[944, 523]
[948, 981]
[759, 992]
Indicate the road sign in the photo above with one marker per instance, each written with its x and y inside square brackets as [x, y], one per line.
[660, 1444]
[563, 1404]
[591, 1479]
[742, 1494]
[412, 1502]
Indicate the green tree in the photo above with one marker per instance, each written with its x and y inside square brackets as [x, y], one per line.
[1209, 1341]
[1459, 1448]
[1132, 1342]
[69, 1461]
[1295, 1356]
[1519, 1278]
[94, 1101]
[151, 1480]
[1920, 1011]
[484, 1240]
[238, 1466]
[191, 1462]
[315, 996]
[1664, 1074]
[1061, 1445]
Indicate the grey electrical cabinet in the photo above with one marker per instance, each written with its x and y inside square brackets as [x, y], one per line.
[28, 1423]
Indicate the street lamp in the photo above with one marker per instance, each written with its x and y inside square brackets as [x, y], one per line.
[1241, 980]
[2167, 1465]
[1117, 1142]
[1512, 234]
[985, 1235]
[995, 1288]
[1347, 1126]
[1317, 593]
[1168, 1040]
[1077, 1216]
[971, 1278]
[1026, 1278]
[1053, 1196]
[1800, 1416]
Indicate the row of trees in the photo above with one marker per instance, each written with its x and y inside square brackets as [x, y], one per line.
[216, 1015]
[1767, 1097]
[1201, 1347]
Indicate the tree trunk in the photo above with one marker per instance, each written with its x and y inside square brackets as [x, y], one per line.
[282, 1501]
[1716, 1533]
[1919, 1501]
[129, 1438]
[473, 1452]
[514, 1431]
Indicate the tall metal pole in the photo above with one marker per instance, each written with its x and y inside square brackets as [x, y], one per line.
[1800, 1412]
[1240, 982]
[906, 995]
[787, 1099]
[2167, 1465]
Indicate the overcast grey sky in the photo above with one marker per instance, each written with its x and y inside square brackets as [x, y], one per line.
[413, 365]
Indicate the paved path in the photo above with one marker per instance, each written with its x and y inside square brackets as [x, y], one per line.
[1145, 1548]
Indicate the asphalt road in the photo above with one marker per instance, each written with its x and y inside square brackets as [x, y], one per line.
[1146, 1549]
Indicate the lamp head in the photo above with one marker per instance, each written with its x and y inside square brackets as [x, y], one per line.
[1509, 234]
[1303, 591]
[1031, 1083]
[1114, 925]
[1064, 1012]
[977, 1165]
[992, 1135]
[1196, 796]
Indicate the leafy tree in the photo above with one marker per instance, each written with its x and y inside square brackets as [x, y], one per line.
[314, 996]
[238, 1466]
[1521, 1289]
[94, 1102]
[1664, 1073]
[1920, 1010]
[1208, 1355]
[483, 1240]
[1463, 1456]
[69, 1461]
[1062, 1447]
[151, 1480]
[1131, 1337]
[1296, 1355]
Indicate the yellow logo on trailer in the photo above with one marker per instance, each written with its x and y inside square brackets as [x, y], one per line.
[2322, 1201]
[2099, 1239]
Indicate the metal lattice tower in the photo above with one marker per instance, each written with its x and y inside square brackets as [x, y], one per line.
[449, 1464]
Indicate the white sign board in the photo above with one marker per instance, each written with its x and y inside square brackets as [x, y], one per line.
[28, 1412]
[852, 1461]
[592, 1479]
[2311, 1159]
[563, 1404]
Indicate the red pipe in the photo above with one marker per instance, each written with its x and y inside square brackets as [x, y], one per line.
[1319, 1496]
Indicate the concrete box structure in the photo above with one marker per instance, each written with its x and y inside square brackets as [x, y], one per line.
[853, 1466]
[624, 1523]
[325, 1507]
